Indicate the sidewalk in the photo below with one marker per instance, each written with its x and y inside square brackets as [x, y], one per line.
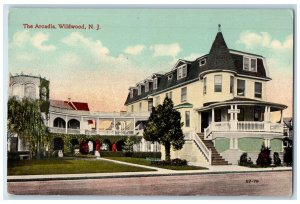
[222, 169]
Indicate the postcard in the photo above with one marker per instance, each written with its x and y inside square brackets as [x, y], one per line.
[147, 102]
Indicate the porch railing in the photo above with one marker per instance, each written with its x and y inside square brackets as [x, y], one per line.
[243, 126]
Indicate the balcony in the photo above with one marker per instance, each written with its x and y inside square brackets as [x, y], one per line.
[243, 126]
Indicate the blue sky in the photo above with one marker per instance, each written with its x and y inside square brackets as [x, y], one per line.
[99, 66]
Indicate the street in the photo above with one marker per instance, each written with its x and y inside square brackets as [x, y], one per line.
[230, 184]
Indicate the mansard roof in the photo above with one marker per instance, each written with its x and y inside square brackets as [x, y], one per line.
[219, 58]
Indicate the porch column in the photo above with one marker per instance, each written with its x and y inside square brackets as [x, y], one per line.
[267, 142]
[231, 114]
[231, 143]
[152, 148]
[281, 116]
[235, 113]
[212, 115]
[134, 126]
[114, 126]
[97, 126]
[66, 124]
[236, 143]
[81, 127]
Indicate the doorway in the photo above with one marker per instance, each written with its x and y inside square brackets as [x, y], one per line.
[204, 120]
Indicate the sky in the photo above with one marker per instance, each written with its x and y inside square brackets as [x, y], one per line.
[98, 66]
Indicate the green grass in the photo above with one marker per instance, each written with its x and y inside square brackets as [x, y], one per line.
[67, 166]
[145, 162]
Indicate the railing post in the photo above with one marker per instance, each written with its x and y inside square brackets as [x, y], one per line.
[209, 156]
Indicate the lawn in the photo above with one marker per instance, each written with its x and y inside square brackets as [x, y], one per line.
[67, 166]
[148, 163]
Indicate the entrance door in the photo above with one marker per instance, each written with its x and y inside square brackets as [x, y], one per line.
[204, 120]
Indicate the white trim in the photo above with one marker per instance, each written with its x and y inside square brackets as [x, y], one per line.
[245, 54]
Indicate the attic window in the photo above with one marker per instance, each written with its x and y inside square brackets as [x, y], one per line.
[181, 71]
[250, 64]
[155, 83]
[202, 62]
[170, 76]
[147, 86]
[139, 89]
[131, 93]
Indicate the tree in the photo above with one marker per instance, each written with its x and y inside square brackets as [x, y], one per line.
[128, 146]
[25, 119]
[164, 126]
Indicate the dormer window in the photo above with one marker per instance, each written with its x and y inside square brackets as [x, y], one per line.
[155, 83]
[139, 89]
[170, 76]
[250, 64]
[202, 62]
[181, 71]
[147, 86]
[131, 93]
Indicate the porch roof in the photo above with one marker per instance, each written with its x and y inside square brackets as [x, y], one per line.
[241, 101]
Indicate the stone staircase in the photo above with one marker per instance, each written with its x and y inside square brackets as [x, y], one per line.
[217, 159]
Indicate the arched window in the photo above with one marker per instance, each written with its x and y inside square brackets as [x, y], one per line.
[30, 91]
[16, 90]
[59, 122]
[74, 124]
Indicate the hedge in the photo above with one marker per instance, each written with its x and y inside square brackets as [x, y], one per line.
[134, 154]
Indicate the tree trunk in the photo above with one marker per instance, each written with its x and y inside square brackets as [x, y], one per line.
[167, 151]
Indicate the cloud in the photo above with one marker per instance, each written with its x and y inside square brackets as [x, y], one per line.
[38, 41]
[76, 39]
[134, 50]
[22, 39]
[263, 39]
[192, 56]
[166, 49]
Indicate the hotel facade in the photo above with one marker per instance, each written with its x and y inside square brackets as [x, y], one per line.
[222, 98]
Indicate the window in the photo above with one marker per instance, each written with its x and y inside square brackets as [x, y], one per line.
[258, 89]
[140, 106]
[240, 87]
[139, 89]
[250, 64]
[202, 62]
[157, 100]
[150, 105]
[231, 84]
[183, 94]
[147, 86]
[204, 85]
[218, 83]
[187, 118]
[181, 71]
[169, 95]
[29, 91]
[132, 109]
[131, 93]
[170, 76]
[155, 83]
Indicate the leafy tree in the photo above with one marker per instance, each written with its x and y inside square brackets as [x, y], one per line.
[25, 119]
[164, 126]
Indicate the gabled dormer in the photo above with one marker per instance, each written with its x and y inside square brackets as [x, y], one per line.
[132, 91]
[181, 68]
[156, 78]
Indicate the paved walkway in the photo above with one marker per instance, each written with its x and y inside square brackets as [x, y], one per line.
[159, 172]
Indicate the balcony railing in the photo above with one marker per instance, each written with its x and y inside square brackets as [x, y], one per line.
[243, 126]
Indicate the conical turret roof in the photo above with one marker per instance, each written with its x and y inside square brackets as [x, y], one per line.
[219, 57]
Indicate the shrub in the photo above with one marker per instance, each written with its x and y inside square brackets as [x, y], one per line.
[245, 160]
[264, 159]
[288, 156]
[84, 147]
[276, 159]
